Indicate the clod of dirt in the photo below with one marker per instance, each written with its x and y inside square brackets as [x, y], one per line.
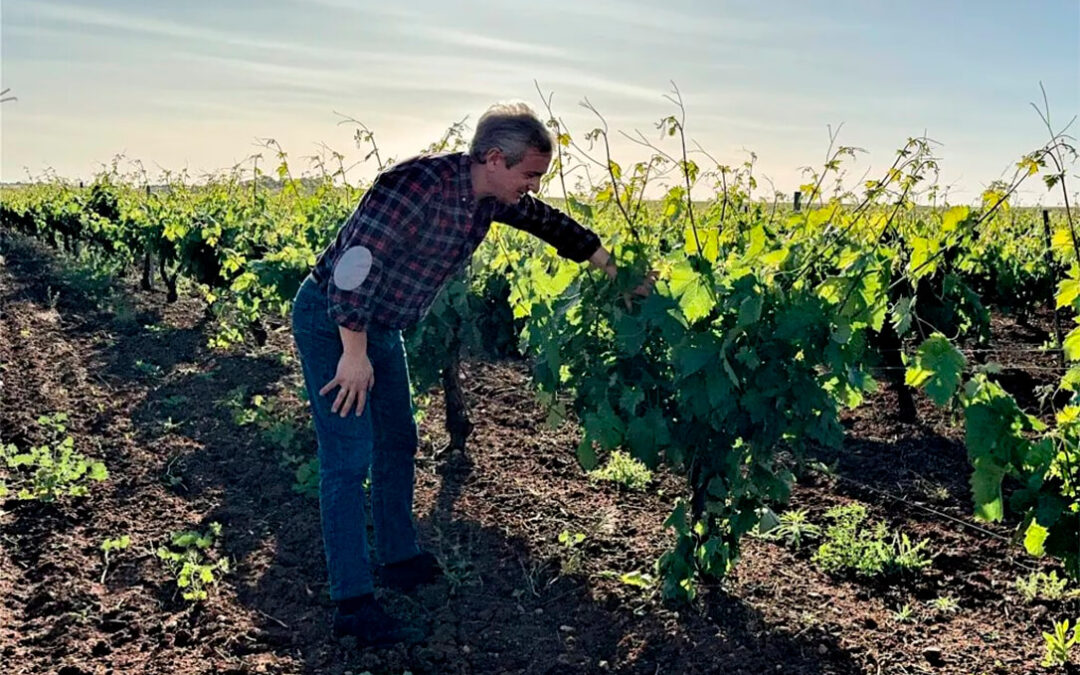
[933, 656]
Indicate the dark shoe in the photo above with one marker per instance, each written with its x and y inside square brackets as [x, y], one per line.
[407, 574]
[364, 619]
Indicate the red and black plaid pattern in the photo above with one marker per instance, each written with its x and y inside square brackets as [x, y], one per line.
[422, 223]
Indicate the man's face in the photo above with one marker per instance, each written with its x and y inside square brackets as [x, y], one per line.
[510, 184]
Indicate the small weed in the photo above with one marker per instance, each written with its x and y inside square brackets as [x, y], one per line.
[175, 401]
[51, 470]
[904, 615]
[933, 491]
[421, 404]
[186, 558]
[170, 477]
[852, 547]
[534, 577]
[573, 555]
[456, 560]
[307, 478]
[907, 556]
[226, 335]
[792, 527]
[234, 402]
[939, 493]
[123, 314]
[944, 604]
[110, 545]
[1043, 586]
[54, 425]
[91, 278]
[147, 368]
[279, 425]
[827, 470]
[640, 580]
[282, 427]
[1059, 644]
[623, 469]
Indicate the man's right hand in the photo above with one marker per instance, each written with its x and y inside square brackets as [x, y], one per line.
[355, 377]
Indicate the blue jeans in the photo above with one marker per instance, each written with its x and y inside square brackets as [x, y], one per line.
[383, 439]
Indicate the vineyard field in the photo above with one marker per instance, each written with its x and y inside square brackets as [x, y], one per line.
[841, 435]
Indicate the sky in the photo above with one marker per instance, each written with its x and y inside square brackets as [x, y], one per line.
[195, 85]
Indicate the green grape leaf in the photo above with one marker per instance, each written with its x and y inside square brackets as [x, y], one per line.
[938, 368]
[986, 489]
[709, 239]
[637, 579]
[983, 427]
[689, 287]
[1068, 292]
[1072, 344]
[1035, 538]
[875, 301]
[690, 358]
[647, 435]
[842, 333]
[776, 258]
[1062, 241]
[678, 518]
[630, 398]
[98, 471]
[922, 250]
[749, 310]
[954, 217]
[1071, 381]
[1069, 289]
[604, 427]
[902, 315]
[586, 454]
[757, 242]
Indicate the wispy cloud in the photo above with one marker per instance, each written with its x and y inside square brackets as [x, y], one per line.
[151, 27]
[660, 19]
[84, 16]
[468, 40]
[409, 73]
[377, 10]
[460, 75]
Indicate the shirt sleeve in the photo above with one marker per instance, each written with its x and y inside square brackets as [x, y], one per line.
[570, 239]
[388, 215]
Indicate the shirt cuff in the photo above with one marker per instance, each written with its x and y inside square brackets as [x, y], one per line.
[350, 317]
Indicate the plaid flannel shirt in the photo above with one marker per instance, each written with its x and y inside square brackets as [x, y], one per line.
[421, 222]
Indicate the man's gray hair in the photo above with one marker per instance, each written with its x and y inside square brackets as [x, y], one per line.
[512, 128]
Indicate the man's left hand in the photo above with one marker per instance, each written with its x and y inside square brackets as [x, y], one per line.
[647, 285]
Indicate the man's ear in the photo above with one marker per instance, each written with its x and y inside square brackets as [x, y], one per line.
[493, 155]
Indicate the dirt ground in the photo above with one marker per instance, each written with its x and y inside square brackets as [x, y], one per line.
[146, 396]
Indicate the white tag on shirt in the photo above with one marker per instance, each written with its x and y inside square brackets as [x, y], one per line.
[353, 266]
